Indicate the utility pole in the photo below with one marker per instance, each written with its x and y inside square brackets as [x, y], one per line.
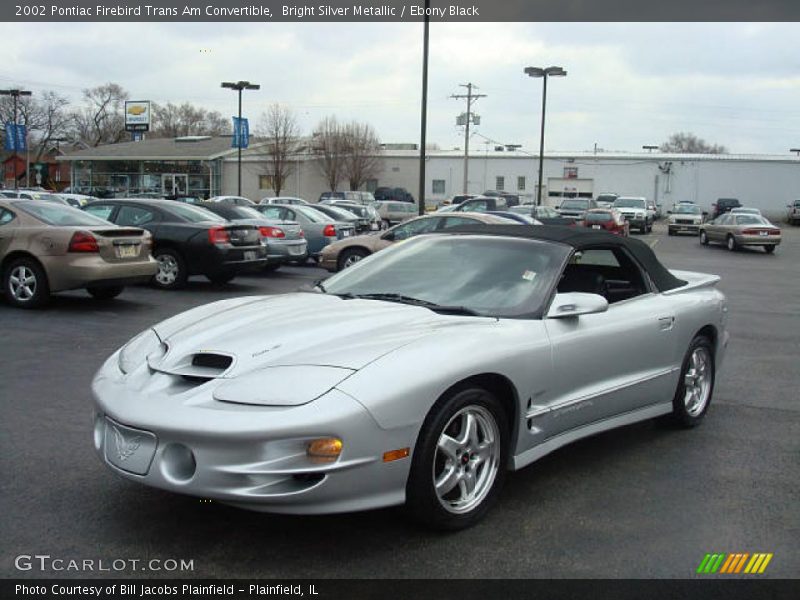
[15, 94]
[423, 111]
[470, 97]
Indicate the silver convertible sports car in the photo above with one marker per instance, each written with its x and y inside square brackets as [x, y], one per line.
[348, 397]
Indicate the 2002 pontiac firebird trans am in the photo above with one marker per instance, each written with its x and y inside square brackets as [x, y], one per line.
[420, 375]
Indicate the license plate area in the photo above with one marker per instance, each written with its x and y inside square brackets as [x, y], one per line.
[127, 250]
[129, 449]
[297, 250]
[249, 254]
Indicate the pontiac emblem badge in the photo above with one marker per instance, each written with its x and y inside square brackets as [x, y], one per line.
[125, 448]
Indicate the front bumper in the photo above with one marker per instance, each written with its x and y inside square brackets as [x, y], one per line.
[85, 270]
[249, 456]
[685, 227]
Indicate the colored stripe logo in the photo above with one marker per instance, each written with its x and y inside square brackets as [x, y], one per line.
[735, 563]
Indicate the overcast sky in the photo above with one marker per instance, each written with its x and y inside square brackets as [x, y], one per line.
[734, 84]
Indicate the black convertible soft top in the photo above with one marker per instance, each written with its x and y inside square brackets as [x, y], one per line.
[583, 239]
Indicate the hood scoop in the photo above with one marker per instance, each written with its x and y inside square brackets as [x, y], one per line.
[199, 367]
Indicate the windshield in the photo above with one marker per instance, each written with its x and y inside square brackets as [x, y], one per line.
[360, 211]
[194, 214]
[54, 213]
[245, 212]
[575, 204]
[687, 209]
[492, 276]
[629, 203]
[312, 215]
[606, 198]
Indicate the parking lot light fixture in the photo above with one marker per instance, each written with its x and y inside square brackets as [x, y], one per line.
[795, 150]
[239, 86]
[649, 148]
[544, 73]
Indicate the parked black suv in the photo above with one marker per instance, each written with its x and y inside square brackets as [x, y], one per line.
[397, 194]
[723, 205]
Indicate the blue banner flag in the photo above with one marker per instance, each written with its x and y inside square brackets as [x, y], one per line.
[16, 138]
[241, 133]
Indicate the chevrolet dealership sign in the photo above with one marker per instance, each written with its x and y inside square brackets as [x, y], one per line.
[137, 115]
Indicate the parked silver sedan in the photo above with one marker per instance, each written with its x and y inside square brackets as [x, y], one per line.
[737, 230]
[347, 397]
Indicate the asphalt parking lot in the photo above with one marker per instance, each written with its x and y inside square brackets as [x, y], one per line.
[643, 501]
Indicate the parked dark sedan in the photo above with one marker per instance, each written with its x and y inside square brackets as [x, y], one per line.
[187, 240]
[547, 215]
[284, 240]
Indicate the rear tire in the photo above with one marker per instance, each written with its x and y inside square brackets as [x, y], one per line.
[670, 232]
[769, 249]
[105, 293]
[696, 384]
[25, 283]
[172, 273]
[462, 446]
[272, 268]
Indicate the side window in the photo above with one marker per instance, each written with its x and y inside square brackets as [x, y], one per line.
[724, 219]
[415, 228]
[290, 215]
[611, 273]
[135, 216]
[6, 216]
[103, 211]
[272, 212]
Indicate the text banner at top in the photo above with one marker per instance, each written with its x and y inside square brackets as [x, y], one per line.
[391, 10]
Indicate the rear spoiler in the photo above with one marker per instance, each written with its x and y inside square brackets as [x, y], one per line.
[693, 281]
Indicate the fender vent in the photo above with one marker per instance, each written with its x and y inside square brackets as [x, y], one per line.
[212, 361]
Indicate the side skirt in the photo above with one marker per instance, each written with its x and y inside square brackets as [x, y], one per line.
[545, 448]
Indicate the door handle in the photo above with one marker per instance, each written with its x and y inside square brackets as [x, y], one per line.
[666, 323]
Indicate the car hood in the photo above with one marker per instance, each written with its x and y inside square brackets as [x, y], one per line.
[296, 329]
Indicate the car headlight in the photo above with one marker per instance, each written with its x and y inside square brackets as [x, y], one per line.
[135, 352]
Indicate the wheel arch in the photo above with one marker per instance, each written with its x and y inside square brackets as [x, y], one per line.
[12, 256]
[502, 388]
[364, 249]
[709, 331]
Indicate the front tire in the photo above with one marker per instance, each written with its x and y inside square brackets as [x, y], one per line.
[696, 384]
[221, 278]
[730, 242]
[25, 283]
[351, 256]
[459, 462]
[704, 238]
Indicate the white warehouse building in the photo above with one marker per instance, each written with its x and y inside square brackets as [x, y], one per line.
[762, 181]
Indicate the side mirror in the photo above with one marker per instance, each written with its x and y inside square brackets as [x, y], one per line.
[669, 212]
[574, 304]
[705, 213]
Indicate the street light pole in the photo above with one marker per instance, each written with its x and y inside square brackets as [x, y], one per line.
[239, 86]
[423, 112]
[15, 94]
[544, 73]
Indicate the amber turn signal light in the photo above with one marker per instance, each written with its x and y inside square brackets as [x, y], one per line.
[324, 449]
[395, 454]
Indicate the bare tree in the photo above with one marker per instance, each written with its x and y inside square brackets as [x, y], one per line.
[281, 132]
[44, 115]
[177, 120]
[329, 144]
[362, 159]
[689, 143]
[102, 119]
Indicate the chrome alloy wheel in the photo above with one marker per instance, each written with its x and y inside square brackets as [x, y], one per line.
[22, 283]
[697, 381]
[167, 269]
[467, 459]
[351, 260]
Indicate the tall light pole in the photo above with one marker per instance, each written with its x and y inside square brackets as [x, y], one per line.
[239, 86]
[423, 112]
[544, 73]
[15, 94]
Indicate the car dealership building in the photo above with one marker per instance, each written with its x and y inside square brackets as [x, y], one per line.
[203, 165]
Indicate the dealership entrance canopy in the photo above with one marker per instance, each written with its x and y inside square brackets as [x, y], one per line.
[183, 166]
